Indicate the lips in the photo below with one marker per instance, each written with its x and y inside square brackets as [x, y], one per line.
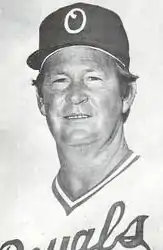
[77, 116]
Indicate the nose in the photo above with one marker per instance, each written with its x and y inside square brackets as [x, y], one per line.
[76, 96]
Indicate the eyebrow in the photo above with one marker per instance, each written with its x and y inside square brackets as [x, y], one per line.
[55, 72]
[58, 71]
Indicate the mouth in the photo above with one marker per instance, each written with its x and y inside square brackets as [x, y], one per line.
[75, 116]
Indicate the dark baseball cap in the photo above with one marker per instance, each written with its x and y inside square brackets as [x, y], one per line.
[82, 24]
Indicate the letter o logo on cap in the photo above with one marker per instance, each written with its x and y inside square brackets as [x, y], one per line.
[74, 16]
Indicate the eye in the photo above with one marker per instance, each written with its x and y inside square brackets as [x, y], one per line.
[94, 78]
[60, 82]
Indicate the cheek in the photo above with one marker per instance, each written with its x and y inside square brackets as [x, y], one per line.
[110, 106]
[53, 102]
[50, 108]
[53, 106]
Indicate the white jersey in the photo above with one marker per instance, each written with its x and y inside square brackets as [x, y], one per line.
[124, 211]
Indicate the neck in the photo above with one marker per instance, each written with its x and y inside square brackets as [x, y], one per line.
[84, 166]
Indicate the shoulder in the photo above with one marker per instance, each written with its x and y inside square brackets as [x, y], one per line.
[29, 215]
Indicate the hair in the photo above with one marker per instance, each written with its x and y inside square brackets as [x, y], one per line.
[38, 83]
[125, 79]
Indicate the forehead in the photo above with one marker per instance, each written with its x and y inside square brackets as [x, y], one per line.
[81, 56]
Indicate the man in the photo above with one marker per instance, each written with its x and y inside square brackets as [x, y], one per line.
[85, 91]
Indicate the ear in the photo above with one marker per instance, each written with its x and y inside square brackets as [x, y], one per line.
[127, 102]
[41, 105]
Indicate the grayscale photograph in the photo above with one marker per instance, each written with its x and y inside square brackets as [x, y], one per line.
[81, 126]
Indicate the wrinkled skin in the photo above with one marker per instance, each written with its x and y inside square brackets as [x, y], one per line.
[80, 80]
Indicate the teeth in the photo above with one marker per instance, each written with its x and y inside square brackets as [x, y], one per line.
[81, 116]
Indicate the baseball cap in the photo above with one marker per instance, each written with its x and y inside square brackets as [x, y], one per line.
[82, 24]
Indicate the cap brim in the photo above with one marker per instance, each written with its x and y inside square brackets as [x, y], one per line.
[35, 60]
[38, 58]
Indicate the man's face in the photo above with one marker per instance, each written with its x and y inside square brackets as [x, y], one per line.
[81, 96]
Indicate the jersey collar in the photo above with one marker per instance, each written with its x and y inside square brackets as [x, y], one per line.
[69, 205]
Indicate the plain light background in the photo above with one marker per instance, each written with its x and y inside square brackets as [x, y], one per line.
[28, 157]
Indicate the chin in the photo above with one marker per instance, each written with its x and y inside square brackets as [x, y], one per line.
[78, 138]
